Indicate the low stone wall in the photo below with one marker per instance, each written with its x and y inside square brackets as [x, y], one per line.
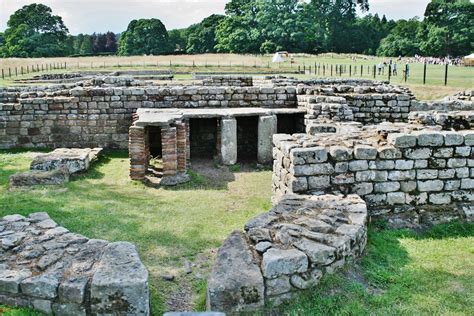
[394, 168]
[234, 81]
[365, 104]
[45, 267]
[101, 116]
[448, 120]
[286, 250]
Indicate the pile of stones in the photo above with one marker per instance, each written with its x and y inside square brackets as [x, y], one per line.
[286, 250]
[56, 167]
[48, 268]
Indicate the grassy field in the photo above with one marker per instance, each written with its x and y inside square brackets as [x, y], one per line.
[459, 78]
[404, 273]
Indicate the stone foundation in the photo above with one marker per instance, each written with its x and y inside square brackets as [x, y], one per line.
[286, 250]
[394, 168]
[46, 267]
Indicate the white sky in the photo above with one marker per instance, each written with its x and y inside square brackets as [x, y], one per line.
[88, 16]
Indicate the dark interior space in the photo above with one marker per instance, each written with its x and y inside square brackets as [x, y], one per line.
[247, 138]
[291, 123]
[154, 139]
[203, 138]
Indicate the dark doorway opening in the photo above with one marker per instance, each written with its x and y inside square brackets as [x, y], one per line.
[154, 141]
[203, 138]
[290, 123]
[247, 138]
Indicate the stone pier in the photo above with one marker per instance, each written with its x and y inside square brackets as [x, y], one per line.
[267, 127]
[229, 141]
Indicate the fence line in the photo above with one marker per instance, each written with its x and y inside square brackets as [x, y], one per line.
[316, 69]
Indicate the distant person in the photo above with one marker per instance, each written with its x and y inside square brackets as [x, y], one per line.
[394, 69]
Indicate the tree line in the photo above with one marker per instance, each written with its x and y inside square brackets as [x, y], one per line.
[256, 27]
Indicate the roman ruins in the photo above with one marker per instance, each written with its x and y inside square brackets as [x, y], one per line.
[344, 151]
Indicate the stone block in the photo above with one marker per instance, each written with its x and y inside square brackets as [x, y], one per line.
[365, 152]
[39, 177]
[277, 262]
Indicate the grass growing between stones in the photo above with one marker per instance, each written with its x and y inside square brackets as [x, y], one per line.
[403, 273]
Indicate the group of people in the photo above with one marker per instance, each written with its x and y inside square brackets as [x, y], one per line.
[393, 67]
[436, 60]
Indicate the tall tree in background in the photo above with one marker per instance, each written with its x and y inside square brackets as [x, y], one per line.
[33, 31]
[144, 36]
[238, 32]
[177, 40]
[402, 40]
[110, 42]
[448, 28]
[201, 37]
[86, 46]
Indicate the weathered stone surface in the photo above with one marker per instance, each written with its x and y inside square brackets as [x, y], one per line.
[296, 241]
[235, 283]
[73, 159]
[38, 177]
[46, 267]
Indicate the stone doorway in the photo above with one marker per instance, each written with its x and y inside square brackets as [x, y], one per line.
[154, 142]
[203, 137]
[247, 138]
[291, 123]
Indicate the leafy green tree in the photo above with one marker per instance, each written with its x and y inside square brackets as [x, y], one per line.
[177, 40]
[201, 37]
[86, 46]
[144, 36]
[239, 32]
[402, 40]
[448, 28]
[33, 31]
[369, 32]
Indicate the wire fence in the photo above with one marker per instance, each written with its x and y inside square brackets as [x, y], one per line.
[386, 72]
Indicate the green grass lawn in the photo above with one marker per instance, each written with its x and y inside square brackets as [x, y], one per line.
[403, 273]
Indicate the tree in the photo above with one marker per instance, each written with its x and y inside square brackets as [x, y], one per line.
[239, 32]
[110, 42]
[201, 37]
[33, 31]
[86, 46]
[98, 43]
[448, 28]
[402, 40]
[144, 36]
[177, 40]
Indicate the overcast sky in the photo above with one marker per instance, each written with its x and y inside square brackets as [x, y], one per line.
[88, 16]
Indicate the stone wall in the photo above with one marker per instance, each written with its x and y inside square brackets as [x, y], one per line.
[394, 168]
[46, 267]
[101, 116]
[286, 250]
[231, 81]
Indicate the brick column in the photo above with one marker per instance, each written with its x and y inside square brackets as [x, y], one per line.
[267, 126]
[181, 134]
[229, 141]
[138, 151]
[169, 151]
[188, 145]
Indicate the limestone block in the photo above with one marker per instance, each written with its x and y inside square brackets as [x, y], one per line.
[229, 141]
[278, 262]
[236, 283]
[39, 177]
[365, 152]
[267, 127]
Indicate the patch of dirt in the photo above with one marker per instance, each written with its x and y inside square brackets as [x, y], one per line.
[182, 299]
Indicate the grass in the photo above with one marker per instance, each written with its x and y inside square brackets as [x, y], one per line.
[459, 78]
[403, 273]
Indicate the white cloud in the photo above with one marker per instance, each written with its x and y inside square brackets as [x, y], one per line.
[88, 16]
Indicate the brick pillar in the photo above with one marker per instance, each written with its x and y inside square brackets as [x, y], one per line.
[181, 143]
[138, 151]
[169, 151]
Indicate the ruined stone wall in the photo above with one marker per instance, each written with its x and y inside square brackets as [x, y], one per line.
[101, 116]
[46, 267]
[286, 250]
[394, 170]
[231, 81]
[365, 104]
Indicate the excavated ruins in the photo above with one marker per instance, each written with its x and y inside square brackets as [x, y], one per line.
[343, 150]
